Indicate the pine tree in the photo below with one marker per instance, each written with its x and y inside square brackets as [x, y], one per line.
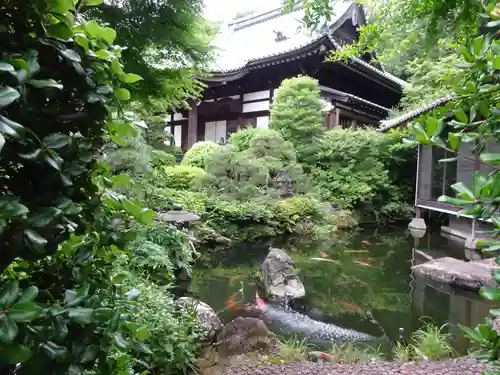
[298, 112]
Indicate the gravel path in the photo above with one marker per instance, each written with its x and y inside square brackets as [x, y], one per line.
[462, 366]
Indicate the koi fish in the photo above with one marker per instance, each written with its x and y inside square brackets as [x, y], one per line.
[231, 300]
[355, 251]
[235, 278]
[359, 282]
[366, 260]
[348, 306]
[326, 260]
[340, 283]
[323, 254]
[362, 263]
[365, 242]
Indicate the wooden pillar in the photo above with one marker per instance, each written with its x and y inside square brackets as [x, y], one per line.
[192, 124]
[336, 117]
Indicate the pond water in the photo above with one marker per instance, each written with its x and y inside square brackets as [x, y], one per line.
[366, 283]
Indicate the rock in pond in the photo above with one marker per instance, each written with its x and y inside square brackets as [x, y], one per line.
[207, 317]
[244, 335]
[466, 275]
[280, 277]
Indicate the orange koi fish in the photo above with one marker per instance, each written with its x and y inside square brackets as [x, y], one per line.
[231, 300]
[340, 283]
[362, 263]
[359, 282]
[235, 278]
[349, 306]
[355, 251]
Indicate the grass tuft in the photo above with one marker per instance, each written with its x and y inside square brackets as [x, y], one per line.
[349, 353]
[294, 349]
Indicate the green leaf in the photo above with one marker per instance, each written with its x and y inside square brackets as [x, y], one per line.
[60, 328]
[89, 354]
[14, 354]
[461, 116]
[34, 240]
[4, 67]
[142, 333]
[490, 158]
[116, 67]
[132, 78]
[11, 128]
[103, 54]
[54, 161]
[24, 312]
[463, 191]
[8, 329]
[434, 126]
[108, 34]
[2, 141]
[91, 3]
[56, 140]
[73, 298]
[120, 141]
[7, 96]
[8, 293]
[492, 294]
[43, 216]
[496, 62]
[60, 30]
[103, 314]
[453, 201]
[71, 55]
[28, 295]
[122, 94]
[12, 209]
[81, 315]
[54, 351]
[132, 295]
[60, 6]
[471, 333]
[478, 44]
[92, 28]
[121, 342]
[82, 41]
[455, 140]
[121, 180]
[45, 83]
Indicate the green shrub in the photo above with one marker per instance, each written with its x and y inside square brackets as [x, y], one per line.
[161, 158]
[298, 111]
[344, 219]
[363, 169]
[290, 212]
[173, 336]
[191, 201]
[197, 155]
[179, 177]
[241, 138]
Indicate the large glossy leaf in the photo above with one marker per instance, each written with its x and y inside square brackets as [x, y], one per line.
[45, 83]
[89, 353]
[34, 240]
[54, 351]
[490, 158]
[492, 294]
[463, 191]
[93, 2]
[2, 141]
[43, 216]
[8, 293]
[24, 312]
[122, 94]
[8, 329]
[121, 342]
[454, 201]
[81, 315]
[56, 140]
[14, 354]
[5, 67]
[7, 96]
[71, 55]
[12, 209]
[108, 34]
[132, 78]
[82, 41]
[11, 128]
[28, 295]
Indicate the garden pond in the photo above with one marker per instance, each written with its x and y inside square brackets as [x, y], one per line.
[361, 280]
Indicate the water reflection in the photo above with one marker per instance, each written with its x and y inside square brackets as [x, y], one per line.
[369, 285]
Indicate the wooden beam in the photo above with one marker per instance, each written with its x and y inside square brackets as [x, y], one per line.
[192, 124]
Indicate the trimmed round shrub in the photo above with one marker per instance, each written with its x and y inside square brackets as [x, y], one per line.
[197, 155]
[290, 212]
[241, 139]
[182, 177]
[162, 158]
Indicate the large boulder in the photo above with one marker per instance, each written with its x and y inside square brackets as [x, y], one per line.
[466, 275]
[207, 317]
[279, 276]
[244, 335]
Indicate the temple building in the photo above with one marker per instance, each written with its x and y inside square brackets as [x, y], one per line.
[258, 51]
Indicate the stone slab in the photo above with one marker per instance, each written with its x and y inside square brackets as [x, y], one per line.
[466, 275]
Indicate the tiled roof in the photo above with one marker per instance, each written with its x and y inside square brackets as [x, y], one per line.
[392, 123]
[329, 90]
[363, 63]
[253, 38]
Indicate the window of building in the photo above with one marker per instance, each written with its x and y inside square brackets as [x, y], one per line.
[216, 131]
[263, 122]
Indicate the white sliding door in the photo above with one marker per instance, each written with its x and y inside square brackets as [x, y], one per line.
[215, 130]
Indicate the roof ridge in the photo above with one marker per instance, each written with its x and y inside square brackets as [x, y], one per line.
[252, 19]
